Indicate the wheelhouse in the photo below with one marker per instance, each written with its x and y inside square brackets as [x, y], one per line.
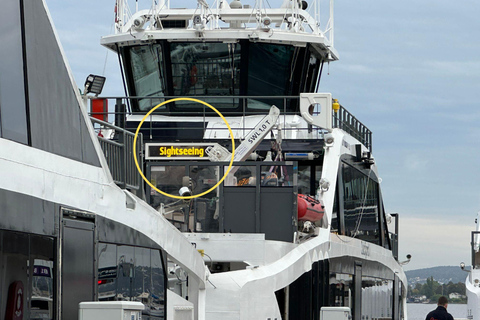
[262, 71]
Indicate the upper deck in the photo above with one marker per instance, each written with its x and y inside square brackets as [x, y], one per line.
[291, 22]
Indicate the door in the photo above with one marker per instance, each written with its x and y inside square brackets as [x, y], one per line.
[77, 265]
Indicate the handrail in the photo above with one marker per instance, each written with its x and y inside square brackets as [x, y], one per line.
[342, 119]
[118, 152]
[346, 121]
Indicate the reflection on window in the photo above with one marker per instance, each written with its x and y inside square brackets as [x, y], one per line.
[143, 279]
[335, 224]
[206, 69]
[376, 298]
[126, 272]
[167, 179]
[308, 179]
[269, 73]
[241, 176]
[41, 303]
[276, 176]
[341, 290]
[129, 273]
[360, 205]
[145, 63]
[157, 302]
[28, 263]
[205, 212]
[107, 272]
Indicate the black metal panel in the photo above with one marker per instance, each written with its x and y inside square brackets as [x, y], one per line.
[77, 266]
[276, 207]
[20, 212]
[300, 298]
[239, 204]
[316, 289]
[357, 295]
[56, 122]
[115, 232]
[169, 131]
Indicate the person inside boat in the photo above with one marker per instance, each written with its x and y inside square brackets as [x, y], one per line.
[441, 312]
[244, 177]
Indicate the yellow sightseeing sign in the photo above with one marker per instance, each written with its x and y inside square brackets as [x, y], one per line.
[177, 151]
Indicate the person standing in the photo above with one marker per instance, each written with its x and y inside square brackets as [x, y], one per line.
[441, 312]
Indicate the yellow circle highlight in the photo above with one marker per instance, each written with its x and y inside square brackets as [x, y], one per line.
[135, 148]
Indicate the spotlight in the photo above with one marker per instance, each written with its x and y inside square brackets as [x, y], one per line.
[138, 23]
[94, 84]
[409, 257]
[266, 21]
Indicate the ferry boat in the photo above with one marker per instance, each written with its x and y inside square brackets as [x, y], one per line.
[228, 186]
[472, 282]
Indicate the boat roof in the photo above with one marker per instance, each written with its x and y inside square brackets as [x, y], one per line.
[293, 23]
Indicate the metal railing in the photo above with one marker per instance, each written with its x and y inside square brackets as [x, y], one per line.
[347, 122]
[240, 106]
[117, 146]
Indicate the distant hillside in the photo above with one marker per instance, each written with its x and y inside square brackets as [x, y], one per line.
[441, 274]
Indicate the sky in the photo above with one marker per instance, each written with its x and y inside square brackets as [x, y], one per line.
[409, 70]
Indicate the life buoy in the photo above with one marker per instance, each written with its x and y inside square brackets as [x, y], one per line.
[15, 301]
[193, 75]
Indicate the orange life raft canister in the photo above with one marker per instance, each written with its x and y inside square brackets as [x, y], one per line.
[309, 209]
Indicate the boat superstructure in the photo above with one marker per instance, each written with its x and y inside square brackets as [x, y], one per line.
[297, 223]
[472, 283]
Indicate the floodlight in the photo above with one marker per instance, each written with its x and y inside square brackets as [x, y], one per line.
[94, 84]
[266, 21]
[138, 23]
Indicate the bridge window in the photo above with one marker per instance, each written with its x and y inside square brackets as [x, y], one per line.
[146, 63]
[270, 68]
[361, 201]
[206, 69]
[219, 73]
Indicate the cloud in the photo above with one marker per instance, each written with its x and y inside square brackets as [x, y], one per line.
[415, 162]
[435, 241]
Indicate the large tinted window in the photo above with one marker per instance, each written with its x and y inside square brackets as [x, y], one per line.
[27, 264]
[206, 69]
[13, 114]
[127, 273]
[360, 205]
[217, 71]
[269, 68]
